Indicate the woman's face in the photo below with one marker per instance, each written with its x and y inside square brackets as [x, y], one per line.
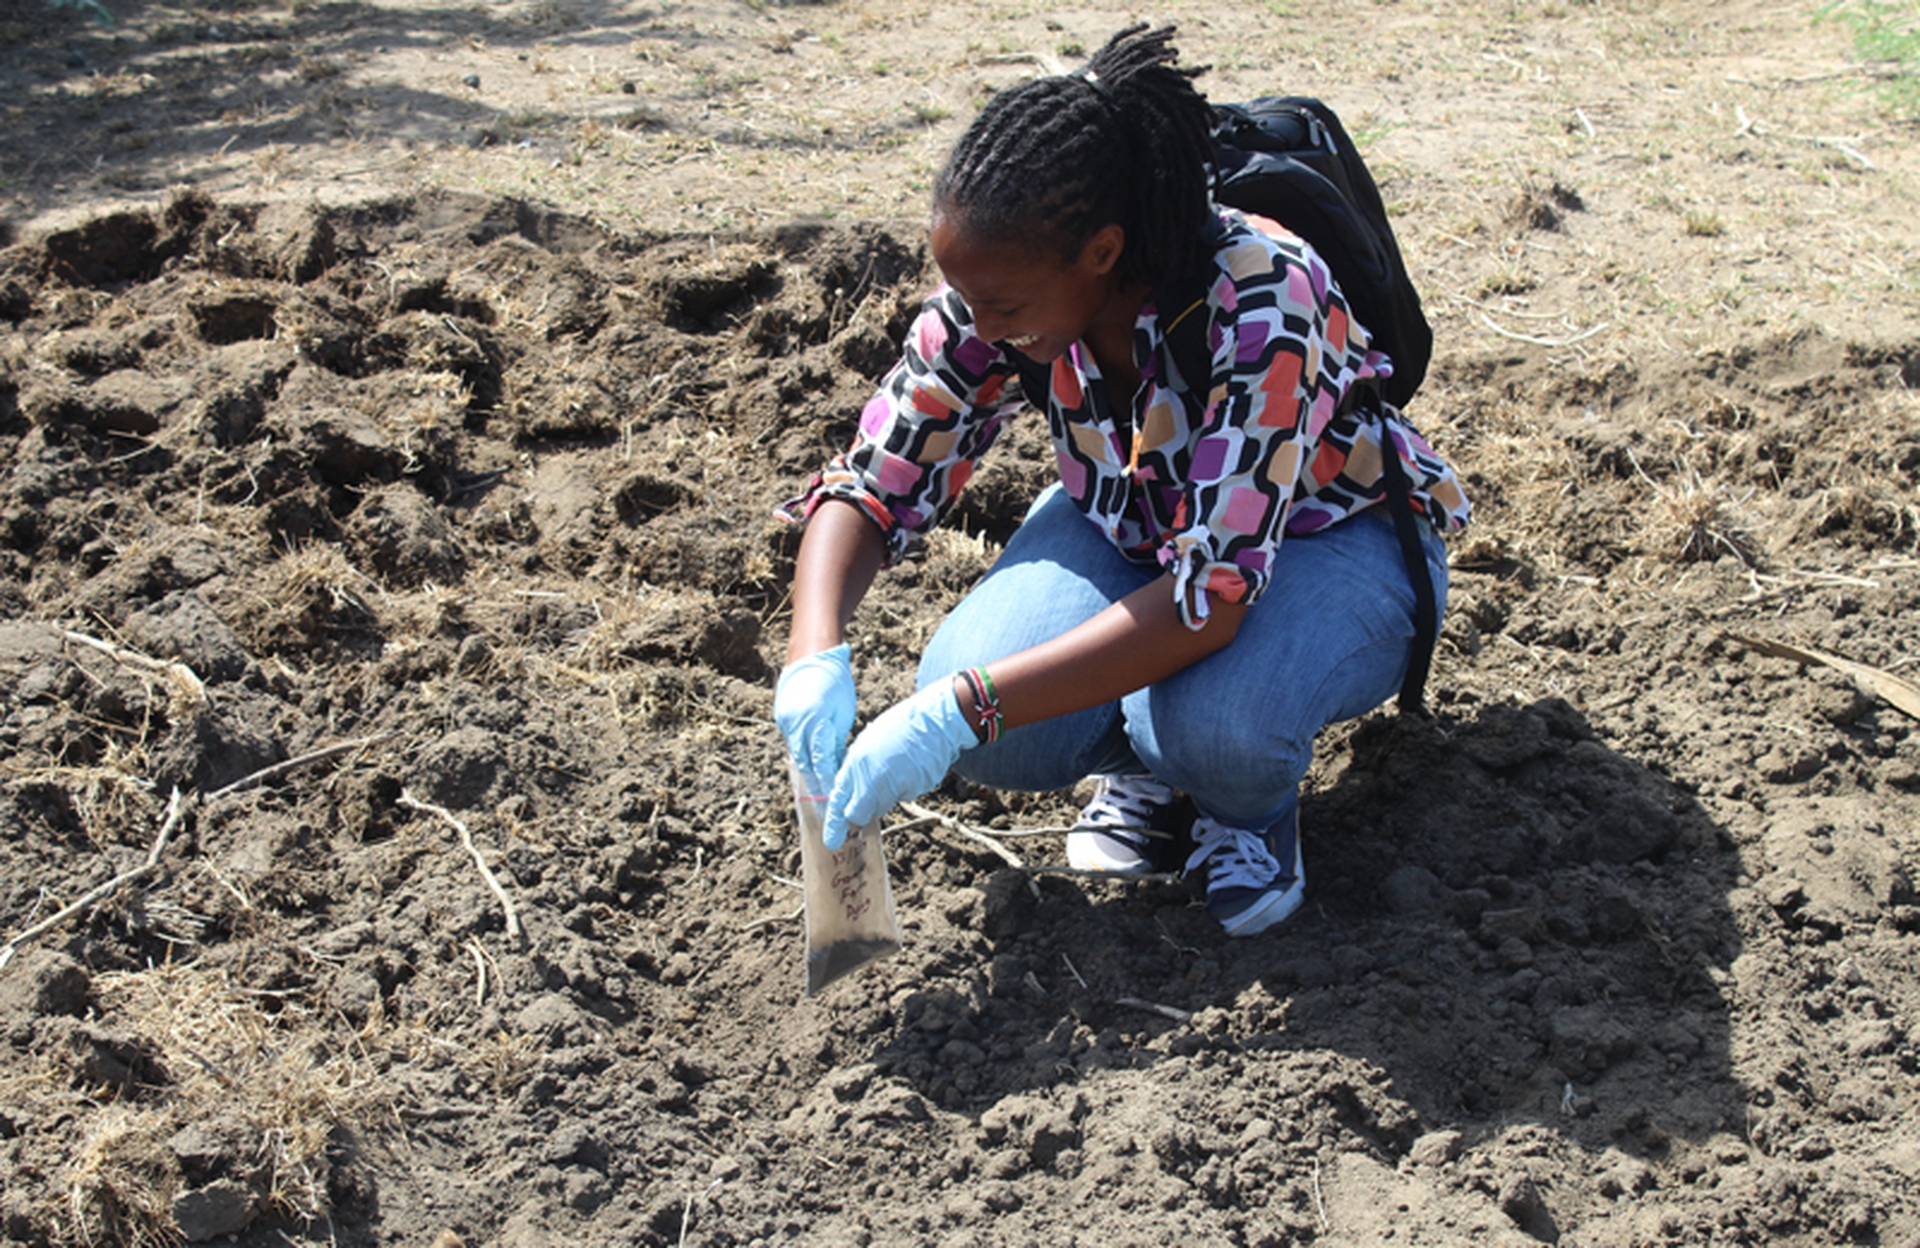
[1026, 296]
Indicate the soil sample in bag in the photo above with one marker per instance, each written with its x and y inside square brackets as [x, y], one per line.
[851, 919]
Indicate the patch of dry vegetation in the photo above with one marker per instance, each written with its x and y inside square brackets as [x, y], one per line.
[258, 1064]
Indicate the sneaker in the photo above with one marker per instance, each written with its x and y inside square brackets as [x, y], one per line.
[1255, 879]
[1117, 830]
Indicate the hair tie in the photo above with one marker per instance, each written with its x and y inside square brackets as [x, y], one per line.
[1093, 80]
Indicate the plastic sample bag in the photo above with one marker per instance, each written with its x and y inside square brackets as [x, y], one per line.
[850, 916]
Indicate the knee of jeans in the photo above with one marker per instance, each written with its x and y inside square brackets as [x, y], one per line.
[1005, 765]
[1242, 776]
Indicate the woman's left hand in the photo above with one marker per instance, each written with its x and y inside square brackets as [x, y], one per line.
[899, 756]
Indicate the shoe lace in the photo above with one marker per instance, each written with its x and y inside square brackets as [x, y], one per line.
[1240, 857]
[1125, 806]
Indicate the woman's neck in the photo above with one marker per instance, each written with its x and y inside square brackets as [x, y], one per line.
[1110, 336]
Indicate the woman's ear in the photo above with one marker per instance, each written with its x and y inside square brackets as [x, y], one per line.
[1102, 251]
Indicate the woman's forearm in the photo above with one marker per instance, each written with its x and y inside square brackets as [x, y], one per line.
[840, 555]
[1133, 643]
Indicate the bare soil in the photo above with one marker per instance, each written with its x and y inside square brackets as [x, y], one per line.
[347, 403]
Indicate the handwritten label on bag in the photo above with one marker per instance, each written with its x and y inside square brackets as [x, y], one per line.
[850, 913]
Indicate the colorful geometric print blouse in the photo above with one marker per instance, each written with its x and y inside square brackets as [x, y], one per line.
[1204, 482]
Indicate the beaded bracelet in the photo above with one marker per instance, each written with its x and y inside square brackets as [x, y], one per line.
[986, 702]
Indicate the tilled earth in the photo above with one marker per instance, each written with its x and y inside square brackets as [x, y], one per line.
[1619, 948]
[391, 595]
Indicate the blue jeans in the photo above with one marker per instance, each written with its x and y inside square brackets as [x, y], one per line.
[1327, 641]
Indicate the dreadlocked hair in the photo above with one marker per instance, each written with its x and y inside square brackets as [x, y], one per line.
[1128, 139]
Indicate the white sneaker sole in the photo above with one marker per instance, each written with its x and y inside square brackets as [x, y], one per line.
[1085, 852]
[1271, 911]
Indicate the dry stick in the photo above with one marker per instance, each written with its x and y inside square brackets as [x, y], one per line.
[312, 756]
[774, 918]
[1319, 1202]
[133, 658]
[1046, 62]
[922, 815]
[1515, 313]
[176, 807]
[480, 969]
[1760, 129]
[1543, 342]
[407, 799]
[1120, 877]
[1165, 1011]
[1021, 834]
[1902, 694]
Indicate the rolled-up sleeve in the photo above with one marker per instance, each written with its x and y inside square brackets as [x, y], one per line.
[937, 411]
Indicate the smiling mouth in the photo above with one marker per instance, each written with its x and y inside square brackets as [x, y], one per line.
[1023, 341]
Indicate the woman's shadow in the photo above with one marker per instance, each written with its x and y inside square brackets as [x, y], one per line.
[1506, 922]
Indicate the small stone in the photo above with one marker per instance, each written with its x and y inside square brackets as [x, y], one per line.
[472, 80]
[1410, 890]
[571, 1144]
[222, 1207]
[1006, 976]
[1520, 1201]
[1436, 1148]
[1514, 954]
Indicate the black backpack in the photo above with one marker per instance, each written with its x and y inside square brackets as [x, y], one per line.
[1290, 159]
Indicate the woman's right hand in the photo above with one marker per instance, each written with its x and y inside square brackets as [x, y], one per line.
[813, 702]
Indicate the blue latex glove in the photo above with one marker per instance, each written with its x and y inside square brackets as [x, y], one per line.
[813, 703]
[899, 756]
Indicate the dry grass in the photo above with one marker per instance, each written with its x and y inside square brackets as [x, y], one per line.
[114, 798]
[314, 588]
[261, 1063]
[430, 610]
[502, 1062]
[120, 1188]
[1699, 521]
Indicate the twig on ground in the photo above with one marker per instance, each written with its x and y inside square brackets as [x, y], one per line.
[514, 930]
[480, 971]
[176, 808]
[1542, 342]
[1760, 129]
[189, 684]
[1073, 970]
[1319, 1201]
[922, 815]
[1021, 834]
[1168, 937]
[1087, 873]
[775, 918]
[438, 1113]
[1515, 313]
[1047, 62]
[311, 756]
[1165, 1011]
[1902, 694]
[914, 825]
